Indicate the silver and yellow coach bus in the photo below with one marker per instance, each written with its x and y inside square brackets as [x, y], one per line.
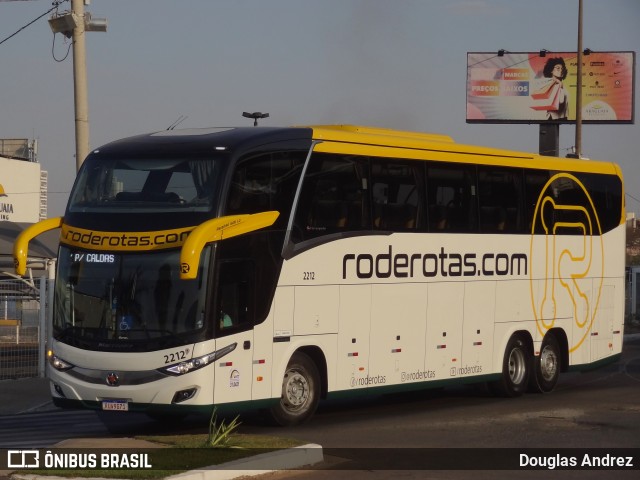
[279, 266]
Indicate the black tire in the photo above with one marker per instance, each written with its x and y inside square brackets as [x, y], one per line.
[300, 392]
[516, 368]
[546, 366]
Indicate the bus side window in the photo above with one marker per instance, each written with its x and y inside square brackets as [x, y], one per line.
[452, 199]
[333, 197]
[534, 182]
[500, 199]
[606, 193]
[266, 182]
[397, 194]
[234, 302]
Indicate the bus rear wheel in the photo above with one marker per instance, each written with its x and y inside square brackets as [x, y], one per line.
[515, 369]
[546, 366]
[300, 392]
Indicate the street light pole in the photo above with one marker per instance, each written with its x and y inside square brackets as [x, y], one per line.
[80, 84]
[74, 25]
[578, 141]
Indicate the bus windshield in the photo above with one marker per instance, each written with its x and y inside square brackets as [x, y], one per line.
[145, 184]
[109, 301]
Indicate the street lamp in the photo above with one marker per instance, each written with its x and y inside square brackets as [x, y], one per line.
[63, 24]
[66, 22]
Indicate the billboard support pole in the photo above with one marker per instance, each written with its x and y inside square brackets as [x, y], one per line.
[549, 142]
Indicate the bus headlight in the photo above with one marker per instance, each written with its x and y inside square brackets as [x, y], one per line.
[198, 362]
[58, 363]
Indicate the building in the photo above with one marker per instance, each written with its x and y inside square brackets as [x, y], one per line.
[23, 201]
[23, 183]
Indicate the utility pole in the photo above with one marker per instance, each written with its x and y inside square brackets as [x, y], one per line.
[578, 141]
[74, 25]
[80, 84]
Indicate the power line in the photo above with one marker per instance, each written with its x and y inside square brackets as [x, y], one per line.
[55, 4]
[632, 197]
[53, 53]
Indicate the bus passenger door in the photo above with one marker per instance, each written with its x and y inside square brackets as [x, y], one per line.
[234, 317]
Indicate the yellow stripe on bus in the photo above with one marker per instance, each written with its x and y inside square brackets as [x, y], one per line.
[123, 241]
[351, 140]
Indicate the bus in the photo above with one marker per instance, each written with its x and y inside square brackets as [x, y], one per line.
[270, 268]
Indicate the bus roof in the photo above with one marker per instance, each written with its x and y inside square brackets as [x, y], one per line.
[442, 144]
[351, 139]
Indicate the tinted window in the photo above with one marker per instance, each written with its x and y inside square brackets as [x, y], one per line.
[333, 197]
[452, 202]
[500, 199]
[606, 194]
[145, 185]
[397, 194]
[534, 182]
[266, 182]
[234, 296]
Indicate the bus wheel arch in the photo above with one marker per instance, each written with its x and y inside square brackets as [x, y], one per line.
[516, 366]
[552, 359]
[317, 355]
[302, 387]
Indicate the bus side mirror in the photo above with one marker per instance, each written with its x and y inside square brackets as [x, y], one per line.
[21, 245]
[218, 229]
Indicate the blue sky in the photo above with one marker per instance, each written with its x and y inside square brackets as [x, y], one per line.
[388, 63]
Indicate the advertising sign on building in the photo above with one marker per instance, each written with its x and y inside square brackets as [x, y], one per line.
[536, 87]
[19, 191]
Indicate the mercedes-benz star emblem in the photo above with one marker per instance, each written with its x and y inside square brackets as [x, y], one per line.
[112, 379]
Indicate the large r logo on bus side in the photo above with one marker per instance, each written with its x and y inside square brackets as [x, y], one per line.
[567, 257]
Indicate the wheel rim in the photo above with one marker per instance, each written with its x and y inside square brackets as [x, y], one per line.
[295, 391]
[517, 366]
[548, 363]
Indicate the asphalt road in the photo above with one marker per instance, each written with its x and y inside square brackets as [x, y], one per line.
[598, 409]
[594, 410]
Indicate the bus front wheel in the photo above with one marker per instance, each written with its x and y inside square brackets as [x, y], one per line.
[515, 369]
[546, 366]
[300, 392]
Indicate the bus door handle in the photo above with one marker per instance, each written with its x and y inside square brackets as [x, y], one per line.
[247, 344]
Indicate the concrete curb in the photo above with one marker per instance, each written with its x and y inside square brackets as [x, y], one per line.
[301, 456]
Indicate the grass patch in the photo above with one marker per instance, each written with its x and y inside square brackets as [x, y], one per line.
[237, 441]
[180, 453]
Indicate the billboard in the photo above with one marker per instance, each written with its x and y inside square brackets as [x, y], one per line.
[507, 87]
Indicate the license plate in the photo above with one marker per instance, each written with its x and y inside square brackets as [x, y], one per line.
[116, 405]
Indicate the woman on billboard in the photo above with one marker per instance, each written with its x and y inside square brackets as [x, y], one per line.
[553, 97]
